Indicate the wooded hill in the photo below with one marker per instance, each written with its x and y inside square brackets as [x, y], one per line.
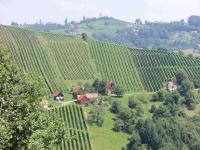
[61, 60]
[173, 35]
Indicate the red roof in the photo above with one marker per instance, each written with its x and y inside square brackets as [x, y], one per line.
[57, 93]
[82, 99]
[110, 86]
[85, 98]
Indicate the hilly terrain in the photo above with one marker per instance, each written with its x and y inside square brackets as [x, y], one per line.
[64, 61]
[174, 35]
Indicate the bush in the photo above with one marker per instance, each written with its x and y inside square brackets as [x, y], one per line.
[84, 36]
[143, 97]
[153, 108]
[116, 107]
[119, 91]
[118, 126]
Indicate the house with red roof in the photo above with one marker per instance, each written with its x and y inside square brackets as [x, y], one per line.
[58, 95]
[86, 98]
[110, 86]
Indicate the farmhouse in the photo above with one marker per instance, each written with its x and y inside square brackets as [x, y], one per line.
[172, 85]
[110, 86]
[86, 98]
[58, 95]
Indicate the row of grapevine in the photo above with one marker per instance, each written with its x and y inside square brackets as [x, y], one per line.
[74, 56]
[155, 67]
[114, 63]
[32, 56]
[156, 59]
[57, 58]
[76, 126]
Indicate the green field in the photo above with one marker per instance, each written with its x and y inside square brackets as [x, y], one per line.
[64, 61]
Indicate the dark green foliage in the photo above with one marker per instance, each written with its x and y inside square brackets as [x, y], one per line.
[173, 98]
[186, 85]
[157, 133]
[153, 108]
[118, 91]
[135, 142]
[23, 124]
[180, 76]
[116, 107]
[161, 95]
[100, 86]
[196, 83]
[127, 118]
[84, 36]
[194, 20]
[119, 125]
[168, 146]
[133, 103]
[96, 115]
[191, 99]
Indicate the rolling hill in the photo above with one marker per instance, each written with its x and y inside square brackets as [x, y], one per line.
[173, 35]
[66, 60]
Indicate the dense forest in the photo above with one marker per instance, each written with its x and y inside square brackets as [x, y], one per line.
[168, 128]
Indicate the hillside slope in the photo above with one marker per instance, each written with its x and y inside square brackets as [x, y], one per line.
[61, 60]
[174, 35]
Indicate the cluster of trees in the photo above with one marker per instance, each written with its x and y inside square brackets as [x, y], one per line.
[169, 127]
[98, 86]
[166, 133]
[47, 27]
[96, 115]
[185, 94]
[23, 123]
[127, 116]
[153, 35]
[194, 20]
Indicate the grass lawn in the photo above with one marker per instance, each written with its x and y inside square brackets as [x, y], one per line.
[104, 138]
[58, 103]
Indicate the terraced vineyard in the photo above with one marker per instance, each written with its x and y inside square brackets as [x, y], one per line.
[61, 59]
[114, 63]
[74, 121]
[155, 67]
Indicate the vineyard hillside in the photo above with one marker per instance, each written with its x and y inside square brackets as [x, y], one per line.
[73, 117]
[61, 60]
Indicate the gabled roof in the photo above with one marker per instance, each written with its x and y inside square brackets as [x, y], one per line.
[88, 96]
[172, 84]
[110, 85]
[79, 97]
[57, 93]
[92, 95]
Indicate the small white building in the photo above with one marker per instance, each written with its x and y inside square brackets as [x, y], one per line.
[58, 96]
[171, 86]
